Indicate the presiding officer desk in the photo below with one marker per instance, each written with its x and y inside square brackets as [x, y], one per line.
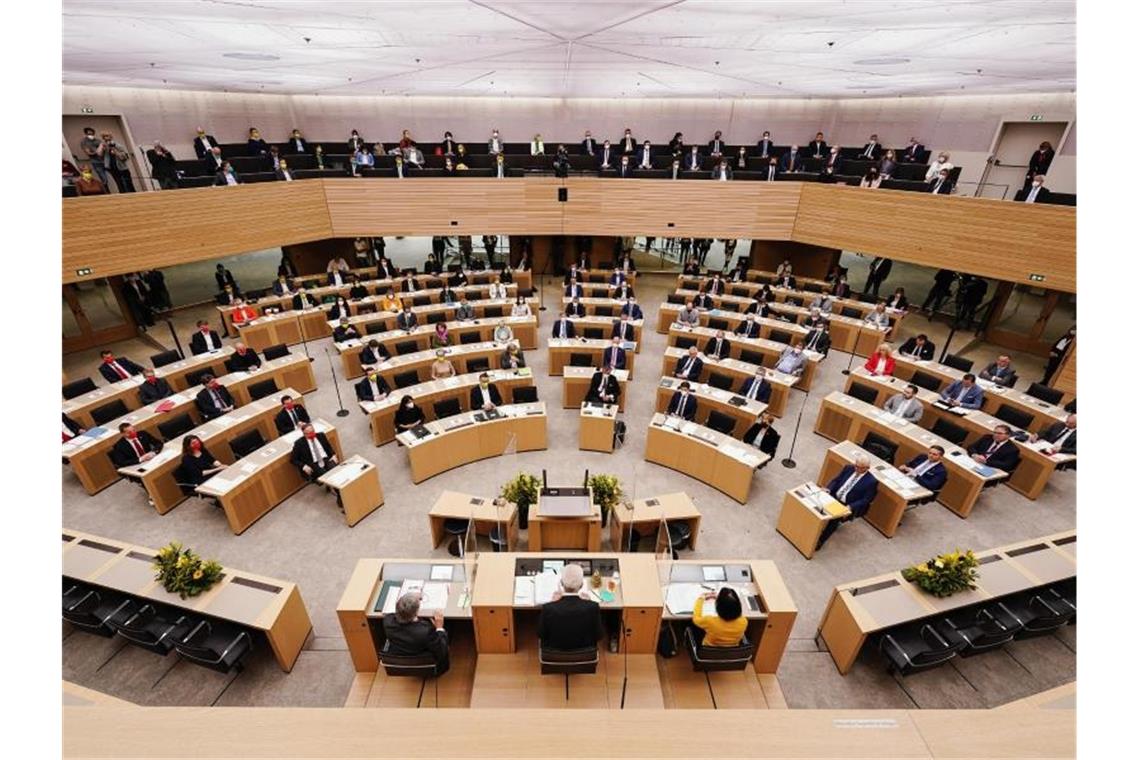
[739, 371]
[271, 609]
[715, 459]
[576, 384]
[861, 608]
[845, 418]
[441, 445]
[88, 454]
[1032, 472]
[741, 348]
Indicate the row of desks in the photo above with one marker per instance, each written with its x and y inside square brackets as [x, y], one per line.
[716, 459]
[739, 371]
[560, 351]
[746, 350]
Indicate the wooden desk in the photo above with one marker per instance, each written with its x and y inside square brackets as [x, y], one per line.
[765, 276]
[605, 325]
[667, 317]
[382, 414]
[647, 515]
[858, 609]
[596, 427]
[565, 533]
[576, 384]
[596, 306]
[484, 514]
[596, 276]
[271, 607]
[769, 349]
[420, 362]
[560, 350]
[739, 371]
[285, 327]
[462, 439]
[896, 490]
[804, 514]
[710, 399]
[357, 483]
[255, 484]
[699, 452]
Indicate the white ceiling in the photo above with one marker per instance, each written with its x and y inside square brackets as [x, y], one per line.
[531, 48]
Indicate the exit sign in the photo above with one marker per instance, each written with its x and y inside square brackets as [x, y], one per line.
[87, 109]
[1037, 277]
[1036, 117]
[83, 272]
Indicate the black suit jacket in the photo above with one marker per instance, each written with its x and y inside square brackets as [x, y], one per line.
[149, 393]
[686, 409]
[291, 146]
[385, 271]
[622, 330]
[822, 342]
[285, 423]
[1042, 195]
[240, 362]
[575, 310]
[926, 352]
[303, 454]
[1039, 162]
[818, 148]
[123, 453]
[762, 395]
[343, 333]
[477, 396]
[790, 163]
[946, 189]
[198, 342]
[1005, 458]
[407, 320]
[570, 623]
[610, 387]
[554, 331]
[206, 403]
[368, 357]
[304, 301]
[1054, 431]
[711, 350]
[200, 149]
[768, 442]
[876, 152]
[415, 638]
[125, 363]
[364, 389]
[695, 370]
[748, 329]
[913, 153]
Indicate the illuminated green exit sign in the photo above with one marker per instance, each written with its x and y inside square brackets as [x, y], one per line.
[1036, 117]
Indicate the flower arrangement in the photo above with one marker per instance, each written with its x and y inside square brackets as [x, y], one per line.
[946, 574]
[183, 572]
[607, 493]
[522, 489]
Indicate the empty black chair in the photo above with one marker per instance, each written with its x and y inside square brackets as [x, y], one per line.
[173, 428]
[373, 328]
[958, 362]
[166, 357]
[685, 342]
[675, 298]
[720, 422]
[568, 661]
[246, 443]
[717, 380]
[948, 430]
[863, 392]
[367, 308]
[406, 347]
[469, 337]
[718, 324]
[602, 310]
[794, 300]
[709, 659]
[594, 333]
[492, 312]
[262, 389]
[104, 414]
[740, 291]
[216, 646]
[421, 300]
[909, 650]
[1045, 393]
[881, 447]
[868, 297]
[478, 364]
[449, 407]
[981, 629]
[780, 336]
[752, 357]
[729, 306]
[151, 631]
[1014, 416]
[599, 293]
[275, 352]
[581, 360]
[926, 380]
[680, 535]
[812, 287]
[194, 379]
[93, 610]
[435, 316]
[404, 379]
[524, 394]
[1040, 611]
[457, 528]
[526, 292]
[78, 388]
[433, 283]
[850, 311]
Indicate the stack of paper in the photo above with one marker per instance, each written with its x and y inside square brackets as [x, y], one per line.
[524, 592]
[680, 597]
[545, 584]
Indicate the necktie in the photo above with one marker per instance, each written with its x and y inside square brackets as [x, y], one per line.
[754, 390]
[1061, 438]
[139, 450]
[846, 487]
[991, 449]
[937, 186]
[121, 372]
[563, 329]
[217, 399]
[771, 173]
[688, 368]
[922, 468]
[293, 416]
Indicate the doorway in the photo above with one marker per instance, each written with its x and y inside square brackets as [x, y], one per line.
[1016, 142]
[73, 127]
[94, 314]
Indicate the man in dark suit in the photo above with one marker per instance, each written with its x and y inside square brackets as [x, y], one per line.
[718, 346]
[204, 143]
[722, 171]
[372, 387]
[374, 352]
[575, 308]
[1000, 372]
[689, 367]
[297, 144]
[914, 152]
[244, 359]
[941, 185]
[757, 387]
[715, 286]
[563, 328]
[204, 339]
[283, 172]
[927, 469]
[818, 147]
[749, 328]
[623, 329]
[918, 347]
[607, 156]
[1039, 163]
[573, 289]
[683, 403]
[385, 270]
[153, 388]
[939, 292]
[409, 636]
[791, 161]
[1035, 192]
[872, 149]
[693, 161]
[290, 416]
[485, 395]
[764, 145]
[115, 370]
[762, 435]
[604, 387]
[876, 274]
[625, 168]
[1063, 436]
[570, 622]
[134, 446]
[344, 331]
[312, 453]
[589, 144]
[213, 400]
[832, 164]
[406, 319]
[996, 450]
[818, 338]
[305, 299]
[631, 309]
[614, 355]
[854, 487]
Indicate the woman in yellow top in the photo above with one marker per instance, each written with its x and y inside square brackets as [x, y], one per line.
[389, 302]
[726, 627]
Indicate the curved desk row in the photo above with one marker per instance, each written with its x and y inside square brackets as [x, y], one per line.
[404, 370]
[713, 458]
[562, 351]
[601, 327]
[743, 412]
[576, 384]
[738, 371]
[748, 350]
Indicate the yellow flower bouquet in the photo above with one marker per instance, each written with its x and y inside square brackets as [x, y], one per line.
[946, 574]
[182, 572]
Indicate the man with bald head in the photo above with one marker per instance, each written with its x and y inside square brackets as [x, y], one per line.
[570, 621]
[854, 487]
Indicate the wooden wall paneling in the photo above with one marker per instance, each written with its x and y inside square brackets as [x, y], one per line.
[807, 260]
[1065, 376]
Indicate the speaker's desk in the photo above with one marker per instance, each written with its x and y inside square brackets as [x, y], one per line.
[576, 384]
[648, 517]
[596, 424]
[357, 484]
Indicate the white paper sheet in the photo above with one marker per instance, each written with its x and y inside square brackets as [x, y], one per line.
[680, 597]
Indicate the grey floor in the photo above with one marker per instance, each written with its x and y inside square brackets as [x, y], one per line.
[306, 541]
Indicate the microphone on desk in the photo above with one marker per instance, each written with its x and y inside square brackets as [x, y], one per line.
[342, 412]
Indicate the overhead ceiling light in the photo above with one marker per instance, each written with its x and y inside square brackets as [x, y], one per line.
[881, 61]
[252, 56]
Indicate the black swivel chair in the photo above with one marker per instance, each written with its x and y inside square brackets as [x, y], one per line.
[863, 392]
[1040, 611]
[723, 382]
[478, 364]
[794, 300]
[368, 308]
[948, 430]
[246, 443]
[456, 528]
[104, 414]
[982, 629]
[435, 316]
[468, 338]
[449, 407]
[524, 394]
[406, 347]
[95, 610]
[740, 291]
[194, 379]
[850, 311]
[751, 357]
[217, 646]
[958, 362]
[405, 379]
[275, 352]
[1014, 416]
[881, 447]
[926, 380]
[715, 659]
[718, 324]
[1045, 393]
[492, 312]
[720, 422]
[421, 300]
[372, 328]
[421, 666]
[166, 357]
[173, 428]
[780, 336]
[675, 298]
[685, 342]
[151, 631]
[729, 306]
[913, 648]
[680, 536]
[602, 310]
[593, 333]
[262, 389]
[567, 662]
[581, 360]
[78, 388]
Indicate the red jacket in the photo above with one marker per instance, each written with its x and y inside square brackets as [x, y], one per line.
[873, 360]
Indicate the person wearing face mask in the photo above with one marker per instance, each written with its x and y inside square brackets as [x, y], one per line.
[406, 320]
[495, 144]
[319, 157]
[153, 388]
[283, 173]
[716, 146]
[356, 142]
[632, 310]
[244, 359]
[757, 387]
[833, 164]
[791, 161]
[213, 400]
[748, 328]
[604, 387]
[204, 339]
[89, 184]
[818, 147]
[742, 158]
[683, 403]
[372, 387]
[792, 359]
[625, 169]
[312, 453]
[589, 144]
[297, 144]
[163, 166]
[116, 369]
[764, 145]
[1039, 163]
[408, 415]
[374, 352]
[763, 435]
[888, 164]
[914, 152]
[291, 416]
[226, 175]
[213, 160]
[628, 143]
[942, 185]
[255, 146]
[134, 446]
[485, 395]
[717, 346]
[818, 339]
[440, 338]
[537, 147]
[905, 405]
[871, 179]
[94, 149]
[203, 143]
[644, 157]
[942, 162]
[345, 331]
[198, 464]
[242, 313]
[1035, 193]
[304, 299]
[690, 366]
[441, 368]
[614, 354]
[693, 159]
[447, 145]
[723, 172]
[512, 357]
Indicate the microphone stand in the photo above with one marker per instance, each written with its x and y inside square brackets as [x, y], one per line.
[850, 362]
[788, 461]
[342, 412]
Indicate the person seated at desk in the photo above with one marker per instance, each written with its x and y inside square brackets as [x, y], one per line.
[458, 279]
[617, 277]
[718, 346]
[281, 287]
[198, 464]
[762, 435]
[153, 388]
[622, 328]
[502, 333]
[244, 358]
[406, 320]
[918, 347]
[432, 265]
[996, 450]
[409, 284]
[878, 317]
[964, 393]
[631, 309]
[786, 280]
[485, 395]
[357, 290]
[689, 367]
[521, 308]
[792, 359]
[447, 295]
[818, 339]
[759, 306]
[213, 400]
[692, 268]
[340, 309]
[115, 370]
[291, 416]
[572, 275]
[497, 291]
[614, 355]
[512, 357]
[824, 302]
[464, 312]
[748, 328]
[570, 622]
[715, 286]
[390, 302]
[898, 300]
[905, 405]
[134, 446]
[372, 387]
[604, 387]
[726, 626]
[563, 328]
[408, 415]
[574, 290]
[622, 291]
[312, 453]
[229, 295]
[386, 270]
[242, 313]
[575, 308]
[440, 338]
[689, 316]
[881, 363]
[204, 339]
[441, 368]
[345, 331]
[683, 403]
[842, 287]
[374, 353]
[71, 428]
[304, 299]
[1063, 436]
[336, 277]
[703, 300]
[855, 487]
[1000, 372]
[757, 387]
[927, 469]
